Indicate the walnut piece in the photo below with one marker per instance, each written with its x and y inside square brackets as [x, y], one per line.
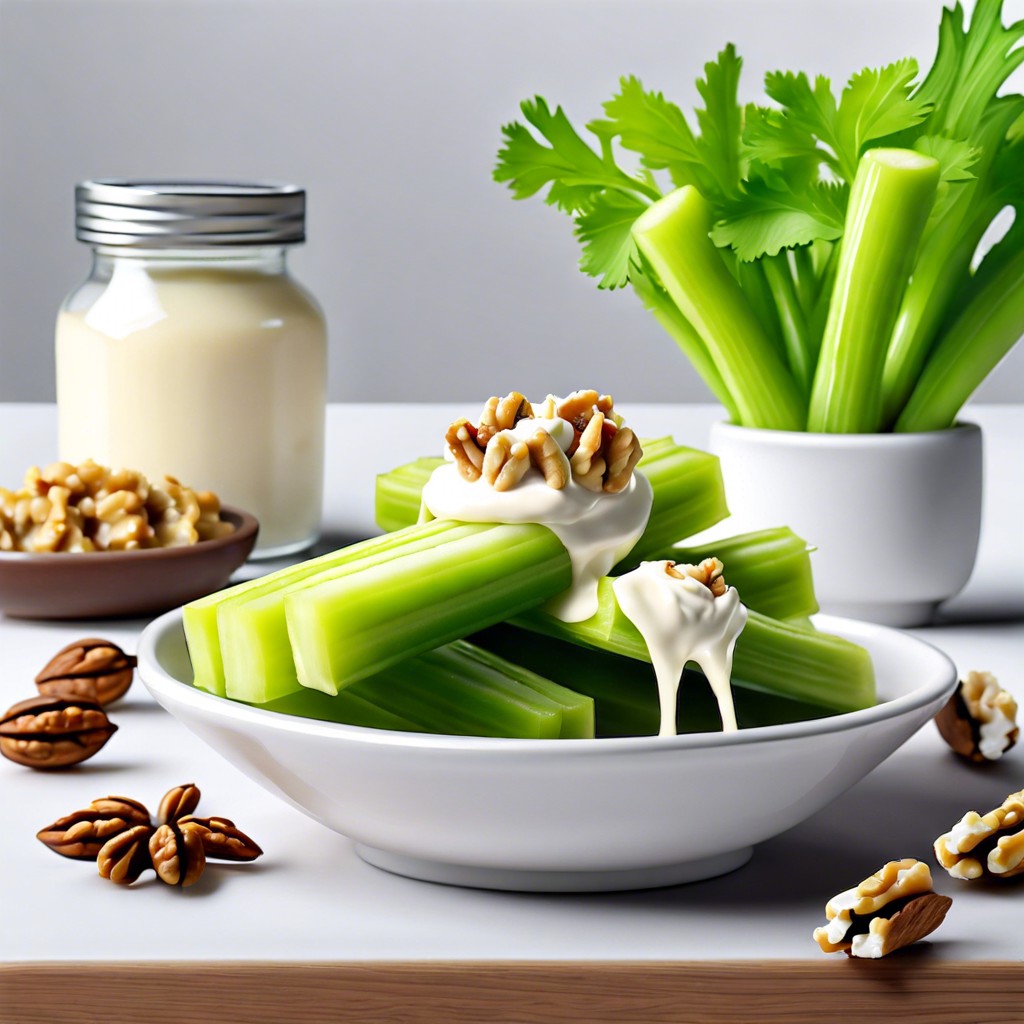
[601, 456]
[125, 856]
[92, 508]
[91, 668]
[709, 572]
[892, 908]
[990, 845]
[979, 721]
[54, 732]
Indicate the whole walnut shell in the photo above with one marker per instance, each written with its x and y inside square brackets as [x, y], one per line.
[53, 732]
[92, 668]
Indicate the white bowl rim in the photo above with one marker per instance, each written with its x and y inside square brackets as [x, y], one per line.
[940, 671]
[806, 438]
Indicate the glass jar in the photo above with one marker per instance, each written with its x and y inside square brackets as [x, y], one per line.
[190, 351]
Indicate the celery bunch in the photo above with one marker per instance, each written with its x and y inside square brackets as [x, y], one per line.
[815, 260]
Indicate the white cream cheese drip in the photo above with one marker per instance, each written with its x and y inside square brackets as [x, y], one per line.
[597, 529]
[681, 621]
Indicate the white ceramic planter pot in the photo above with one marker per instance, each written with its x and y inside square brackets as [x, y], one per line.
[894, 517]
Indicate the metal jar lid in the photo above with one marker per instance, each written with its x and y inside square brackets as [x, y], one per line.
[188, 214]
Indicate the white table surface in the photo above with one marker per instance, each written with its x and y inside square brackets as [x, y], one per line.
[310, 897]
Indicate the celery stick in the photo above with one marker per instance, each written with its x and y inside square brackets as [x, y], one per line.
[346, 629]
[682, 332]
[673, 235]
[986, 329]
[771, 569]
[200, 616]
[689, 495]
[625, 693]
[805, 277]
[348, 707]
[255, 651]
[779, 657]
[890, 200]
[793, 323]
[446, 692]
[398, 493]
[577, 709]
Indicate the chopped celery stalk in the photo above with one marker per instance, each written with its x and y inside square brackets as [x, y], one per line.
[255, 651]
[792, 321]
[348, 708]
[346, 629]
[577, 709]
[890, 200]
[456, 690]
[673, 235]
[782, 658]
[689, 495]
[986, 329]
[682, 332]
[625, 693]
[200, 616]
[398, 493]
[771, 569]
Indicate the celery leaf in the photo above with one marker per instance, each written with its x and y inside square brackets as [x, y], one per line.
[605, 231]
[721, 120]
[770, 217]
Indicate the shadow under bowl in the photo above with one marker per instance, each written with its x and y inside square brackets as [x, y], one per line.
[559, 815]
[105, 584]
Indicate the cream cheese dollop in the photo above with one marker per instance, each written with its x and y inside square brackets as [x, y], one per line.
[598, 529]
[680, 621]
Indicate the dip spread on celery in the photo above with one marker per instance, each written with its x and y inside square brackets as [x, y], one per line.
[561, 475]
[685, 613]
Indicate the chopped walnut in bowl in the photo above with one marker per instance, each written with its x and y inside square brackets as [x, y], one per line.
[90, 507]
[578, 438]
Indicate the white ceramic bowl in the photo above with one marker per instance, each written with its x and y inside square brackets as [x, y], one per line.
[895, 518]
[559, 815]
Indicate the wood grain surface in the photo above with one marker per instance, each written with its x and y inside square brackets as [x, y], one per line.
[914, 987]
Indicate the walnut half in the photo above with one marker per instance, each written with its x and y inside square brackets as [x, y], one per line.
[979, 721]
[892, 908]
[986, 844]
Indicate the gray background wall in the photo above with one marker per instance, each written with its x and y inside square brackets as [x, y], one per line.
[435, 283]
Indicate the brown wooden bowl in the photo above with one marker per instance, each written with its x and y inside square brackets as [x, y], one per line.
[121, 584]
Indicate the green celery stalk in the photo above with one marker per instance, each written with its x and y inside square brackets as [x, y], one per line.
[775, 656]
[890, 200]
[986, 329]
[805, 278]
[346, 629]
[673, 235]
[682, 332]
[793, 323]
[398, 493]
[255, 651]
[348, 707]
[625, 693]
[200, 616]
[689, 494]
[771, 569]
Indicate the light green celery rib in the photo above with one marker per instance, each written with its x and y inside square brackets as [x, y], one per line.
[255, 650]
[451, 692]
[986, 329]
[673, 236]
[779, 657]
[682, 332]
[689, 494]
[770, 569]
[793, 323]
[577, 709]
[625, 693]
[890, 200]
[348, 707]
[398, 493]
[200, 616]
[346, 629]
[805, 278]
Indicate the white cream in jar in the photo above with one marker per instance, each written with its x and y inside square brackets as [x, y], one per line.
[190, 351]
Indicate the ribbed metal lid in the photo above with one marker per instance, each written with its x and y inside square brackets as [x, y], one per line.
[188, 214]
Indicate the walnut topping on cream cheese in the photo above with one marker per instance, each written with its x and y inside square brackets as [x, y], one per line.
[578, 437]
[979, 722]
[892, 908]
[991, 844]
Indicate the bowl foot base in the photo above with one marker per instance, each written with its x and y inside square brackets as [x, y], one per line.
[902, 614]
[554, 881]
